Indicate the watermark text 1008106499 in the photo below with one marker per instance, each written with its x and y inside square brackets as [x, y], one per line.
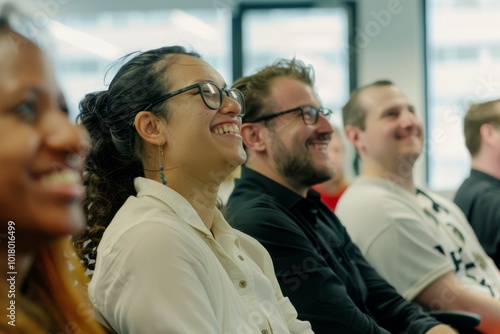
[11, 272]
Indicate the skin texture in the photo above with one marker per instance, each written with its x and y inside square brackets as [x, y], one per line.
[393, 136]
[196, 158]
[37, 140]
[336, 153]
[292, 153]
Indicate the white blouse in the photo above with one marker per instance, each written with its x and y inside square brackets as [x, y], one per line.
[160, 270]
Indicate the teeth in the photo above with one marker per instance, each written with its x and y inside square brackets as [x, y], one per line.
[320, 147]
[66, 176]
[227, 128]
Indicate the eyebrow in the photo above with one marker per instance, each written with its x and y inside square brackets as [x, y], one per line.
[399, 106]
[212, 81]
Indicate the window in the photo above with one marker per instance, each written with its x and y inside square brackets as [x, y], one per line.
[463, 61]
[91, 43]
[318, 36]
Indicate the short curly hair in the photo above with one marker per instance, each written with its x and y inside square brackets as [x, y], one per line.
[256, 87]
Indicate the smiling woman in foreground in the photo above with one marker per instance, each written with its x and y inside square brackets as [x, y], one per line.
[40, 197]
[164, 136]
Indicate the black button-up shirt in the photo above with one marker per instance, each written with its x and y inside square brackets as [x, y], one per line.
[479, 198]
[318, 267]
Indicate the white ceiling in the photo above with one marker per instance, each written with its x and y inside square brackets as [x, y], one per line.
[54, 8]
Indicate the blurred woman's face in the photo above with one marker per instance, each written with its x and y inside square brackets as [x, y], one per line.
[40, 150]
[336, 153]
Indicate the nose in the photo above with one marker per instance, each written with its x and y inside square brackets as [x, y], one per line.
[230, 105]
[408, 118]
[68, 141]
[324, 124]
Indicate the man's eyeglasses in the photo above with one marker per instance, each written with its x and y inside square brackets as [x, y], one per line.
[309, 114]
[211, 95]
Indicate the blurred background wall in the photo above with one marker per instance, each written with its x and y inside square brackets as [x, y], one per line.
[443, 53]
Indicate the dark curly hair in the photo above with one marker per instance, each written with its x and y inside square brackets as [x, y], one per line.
[114, 159]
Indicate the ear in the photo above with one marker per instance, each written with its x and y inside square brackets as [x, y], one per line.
[150, 128]
[487, 132]
[353, 134]
[253, 136]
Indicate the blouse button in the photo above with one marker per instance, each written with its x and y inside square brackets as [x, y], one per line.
[240, 257]
[264, 331]
[243, 284]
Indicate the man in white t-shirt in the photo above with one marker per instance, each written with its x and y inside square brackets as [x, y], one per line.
[419, 242]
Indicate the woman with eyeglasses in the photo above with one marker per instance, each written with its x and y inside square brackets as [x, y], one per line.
[41, 192]
[164, 135]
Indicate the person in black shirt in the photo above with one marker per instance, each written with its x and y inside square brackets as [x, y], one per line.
[286, 132]
[479, 195]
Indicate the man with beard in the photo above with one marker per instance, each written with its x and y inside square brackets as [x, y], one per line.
[418, 241]
[286, 133]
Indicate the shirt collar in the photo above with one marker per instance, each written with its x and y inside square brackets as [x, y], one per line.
[281, 194]
[170, 200]
[484, 176]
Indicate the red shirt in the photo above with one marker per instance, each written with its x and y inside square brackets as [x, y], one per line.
[331, 199]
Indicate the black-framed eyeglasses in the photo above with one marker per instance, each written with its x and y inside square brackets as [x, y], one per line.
[309, 114]
[210, 93]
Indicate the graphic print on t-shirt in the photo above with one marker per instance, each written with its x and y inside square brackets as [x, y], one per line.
[470, 265]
